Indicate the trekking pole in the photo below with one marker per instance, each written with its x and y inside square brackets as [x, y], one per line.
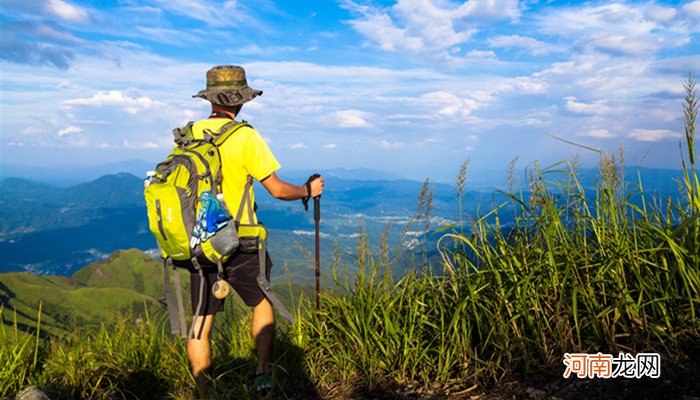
[317, 220]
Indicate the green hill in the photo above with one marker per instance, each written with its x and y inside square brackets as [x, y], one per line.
[128, 269]
[128, 281]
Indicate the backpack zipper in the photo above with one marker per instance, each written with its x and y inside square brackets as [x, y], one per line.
[160, 220]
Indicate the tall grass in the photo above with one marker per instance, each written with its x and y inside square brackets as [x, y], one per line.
[615, 271]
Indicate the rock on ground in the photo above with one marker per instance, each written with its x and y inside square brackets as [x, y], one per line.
[32, 393]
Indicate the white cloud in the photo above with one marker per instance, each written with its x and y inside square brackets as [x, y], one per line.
[650, 135]
[481, 54]
[427, 27]
[255, 50]
[596, 108]
[391, 146]
[519, 85]
[255, 105]
[449, 104]
[615, 28]
[692, 9]
[66, 11]
[597, 133]
[230, 14]
[297, 146]
[532, 46]
[330, 146]
[69, 131]
[32, 130]
[660, 14]
[104, 146]
[351, 119]
[139, 145]
[115, 98]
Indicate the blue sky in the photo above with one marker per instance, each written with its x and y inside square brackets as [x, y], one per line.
[412, 87]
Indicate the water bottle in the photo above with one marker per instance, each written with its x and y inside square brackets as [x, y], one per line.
[150, 175]
[220, 197]
[225, 241]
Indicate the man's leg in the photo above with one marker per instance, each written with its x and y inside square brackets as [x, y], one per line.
[199, 353]
[263, 329]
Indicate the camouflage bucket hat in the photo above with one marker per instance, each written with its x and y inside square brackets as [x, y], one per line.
[227, 85]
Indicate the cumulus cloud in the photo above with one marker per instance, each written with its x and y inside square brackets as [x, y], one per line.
[651, 135]
[255, 50]
[596, 108]
[618, 29]
[692, 9]
[231, 14]
[660, 14]
[391, 146]
[449, 104]
[69, 131]
[115, 98]
[330, 146]
[427, 27]
[481, 54]
[139, 145]
[351, 119]
[66, 11]
[297, 146]
[532, 46]
[597, 133]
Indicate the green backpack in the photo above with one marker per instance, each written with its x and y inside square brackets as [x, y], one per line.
[173, 197]
[173, 203]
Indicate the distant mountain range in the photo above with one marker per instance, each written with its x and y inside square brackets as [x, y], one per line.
[64, 176]
[49, 229]
[662, 180]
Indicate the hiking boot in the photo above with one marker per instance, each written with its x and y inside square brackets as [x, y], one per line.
[262, 383]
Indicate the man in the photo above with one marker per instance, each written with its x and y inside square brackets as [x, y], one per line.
[243, 154]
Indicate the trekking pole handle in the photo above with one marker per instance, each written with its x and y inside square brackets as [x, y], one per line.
[305, 199]
[317, 208]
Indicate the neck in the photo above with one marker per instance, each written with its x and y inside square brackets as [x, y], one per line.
[218, 113]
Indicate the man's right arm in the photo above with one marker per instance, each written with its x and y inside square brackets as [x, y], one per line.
[282, 190]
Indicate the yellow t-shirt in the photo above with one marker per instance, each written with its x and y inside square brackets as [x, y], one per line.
[243, 153]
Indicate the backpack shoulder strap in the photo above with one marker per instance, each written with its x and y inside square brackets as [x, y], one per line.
[183, 136]
[227, 130]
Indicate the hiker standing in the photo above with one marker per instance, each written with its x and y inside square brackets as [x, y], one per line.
[244, 154]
